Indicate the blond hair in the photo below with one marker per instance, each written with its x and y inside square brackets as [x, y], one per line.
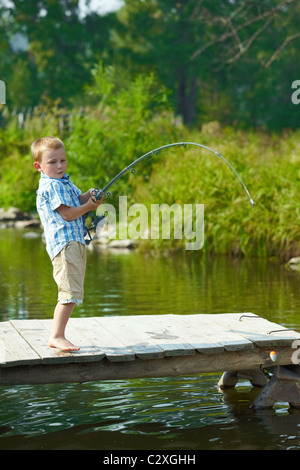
[45, 143]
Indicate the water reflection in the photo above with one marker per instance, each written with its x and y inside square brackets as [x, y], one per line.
[177, 413]
[138, 284]
[180, 413]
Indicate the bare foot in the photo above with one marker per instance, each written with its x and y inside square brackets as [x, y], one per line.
[63, 344]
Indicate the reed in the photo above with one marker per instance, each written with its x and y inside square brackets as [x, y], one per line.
[267, 163]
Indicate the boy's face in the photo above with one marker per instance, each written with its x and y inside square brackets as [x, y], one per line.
[53, 164]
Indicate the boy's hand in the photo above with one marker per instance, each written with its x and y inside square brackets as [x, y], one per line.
[97, 193]
[93, 203]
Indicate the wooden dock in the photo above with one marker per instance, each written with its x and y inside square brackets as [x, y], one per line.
[125, 347]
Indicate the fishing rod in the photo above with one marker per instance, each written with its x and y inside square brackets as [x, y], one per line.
[99, 193]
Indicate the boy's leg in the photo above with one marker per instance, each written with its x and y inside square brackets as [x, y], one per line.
[68, 272]
[57, 339]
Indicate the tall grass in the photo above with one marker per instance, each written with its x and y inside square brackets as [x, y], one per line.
[269, 166]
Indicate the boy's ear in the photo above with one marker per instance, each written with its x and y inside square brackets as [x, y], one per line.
[37, 166]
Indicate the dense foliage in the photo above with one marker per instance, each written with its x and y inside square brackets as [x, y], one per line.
[231, 61]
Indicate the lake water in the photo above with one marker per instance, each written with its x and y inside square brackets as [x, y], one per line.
[169, 413]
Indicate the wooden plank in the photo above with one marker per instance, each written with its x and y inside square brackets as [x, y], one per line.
[175, 330]
[35, 334]
[88, 351]
[230, 340]
[145, 336]
[257, 329]
[105, 343]
[14, 349]
[127, 332]
[145, 332]
[166, 367]
[234, 325]
[201, 340]
[130, 332]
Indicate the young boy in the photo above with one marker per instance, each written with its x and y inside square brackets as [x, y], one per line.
[61, 208]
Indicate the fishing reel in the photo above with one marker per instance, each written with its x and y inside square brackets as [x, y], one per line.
[97, 194]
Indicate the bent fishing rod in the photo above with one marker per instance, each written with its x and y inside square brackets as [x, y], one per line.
[99, 193]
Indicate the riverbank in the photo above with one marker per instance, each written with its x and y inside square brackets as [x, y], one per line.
[13, 217]
[224, 233]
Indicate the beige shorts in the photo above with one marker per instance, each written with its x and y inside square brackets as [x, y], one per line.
[69, 271]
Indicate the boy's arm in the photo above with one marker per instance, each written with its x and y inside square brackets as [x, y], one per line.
[72, 213]
[84, 197]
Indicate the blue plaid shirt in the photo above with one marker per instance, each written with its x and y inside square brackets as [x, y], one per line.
[51, 194]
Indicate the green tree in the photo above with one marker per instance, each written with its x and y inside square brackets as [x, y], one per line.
[62, 47]
[198, 46]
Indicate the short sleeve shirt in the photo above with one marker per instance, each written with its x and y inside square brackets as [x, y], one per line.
[51, 194]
